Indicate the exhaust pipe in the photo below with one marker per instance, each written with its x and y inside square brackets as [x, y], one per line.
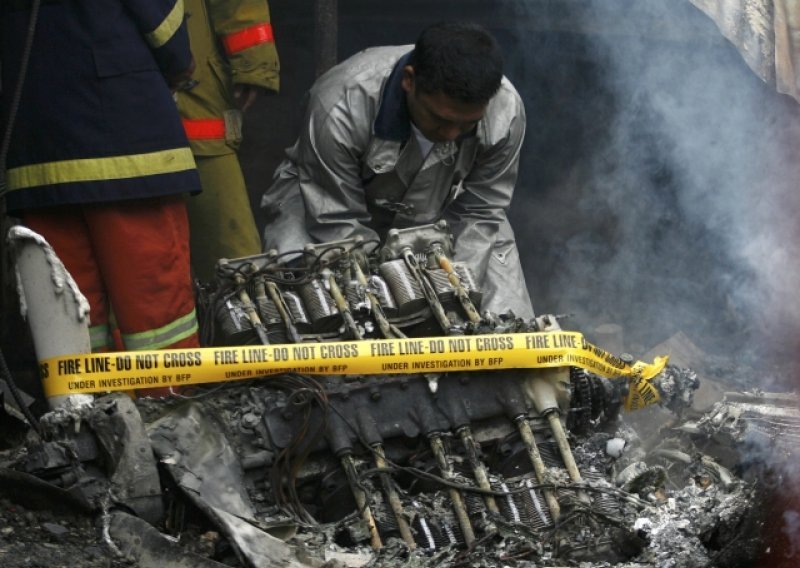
[55, 309]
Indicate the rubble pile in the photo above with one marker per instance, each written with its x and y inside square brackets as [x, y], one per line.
[47, 537]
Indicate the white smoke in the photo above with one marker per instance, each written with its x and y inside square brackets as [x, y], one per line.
[791, 528]
[679, 214]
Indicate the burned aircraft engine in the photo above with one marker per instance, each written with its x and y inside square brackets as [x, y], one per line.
[337, 291]
[416, 464]
[384, 445]
[438, 460]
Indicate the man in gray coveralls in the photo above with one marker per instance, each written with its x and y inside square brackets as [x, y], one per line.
[407, 135]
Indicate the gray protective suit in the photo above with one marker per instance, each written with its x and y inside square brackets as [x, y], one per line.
[357, 169]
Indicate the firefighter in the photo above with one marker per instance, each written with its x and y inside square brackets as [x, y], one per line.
[407, 135]
[234, 48]
[99, 163]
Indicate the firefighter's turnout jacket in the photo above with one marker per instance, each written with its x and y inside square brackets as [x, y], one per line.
[99, 159]
[232, 43]
[99, 122]
[357, 169]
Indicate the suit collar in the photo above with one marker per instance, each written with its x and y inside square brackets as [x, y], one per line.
[393, 121]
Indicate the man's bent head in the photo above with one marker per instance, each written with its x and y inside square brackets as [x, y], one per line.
[462, 61]
[452, 73]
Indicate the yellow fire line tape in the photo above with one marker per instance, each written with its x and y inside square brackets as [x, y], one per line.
[105, 372]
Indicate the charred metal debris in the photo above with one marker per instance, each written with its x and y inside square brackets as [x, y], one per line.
[495, 468]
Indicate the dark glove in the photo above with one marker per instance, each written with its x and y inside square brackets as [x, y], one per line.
[182, 81]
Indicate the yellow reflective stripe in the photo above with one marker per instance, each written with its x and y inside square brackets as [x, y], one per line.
[96, 169]
[166, 28]
[100, 336]
[171, 333]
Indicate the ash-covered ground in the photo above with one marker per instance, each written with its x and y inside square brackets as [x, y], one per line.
[31, 538]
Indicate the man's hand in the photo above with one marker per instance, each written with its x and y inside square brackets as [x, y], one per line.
[182, 81]
[246, 95]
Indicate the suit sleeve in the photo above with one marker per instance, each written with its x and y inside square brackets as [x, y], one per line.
[484, 239]
[479, 211]
[330, 148]
[163, 26]
[244, 28]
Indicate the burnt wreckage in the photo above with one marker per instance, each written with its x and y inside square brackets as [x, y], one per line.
[533, 467]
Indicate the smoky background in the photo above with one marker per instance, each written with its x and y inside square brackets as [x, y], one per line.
[657, 186]
[663, 191]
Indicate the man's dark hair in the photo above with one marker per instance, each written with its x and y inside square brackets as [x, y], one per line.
[461, 60]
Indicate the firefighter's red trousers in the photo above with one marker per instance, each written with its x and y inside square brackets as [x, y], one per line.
[131, 257]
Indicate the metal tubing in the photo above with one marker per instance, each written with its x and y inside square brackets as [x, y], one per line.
[286, 316]
[563, 446]
[539, 467]
[344, 308]
[387, 329]
[393, 498]
[458, 503]
[362, 500]
[427, 291]
[478, 469]
[455, 282]
[250, 310]
[56, 310]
